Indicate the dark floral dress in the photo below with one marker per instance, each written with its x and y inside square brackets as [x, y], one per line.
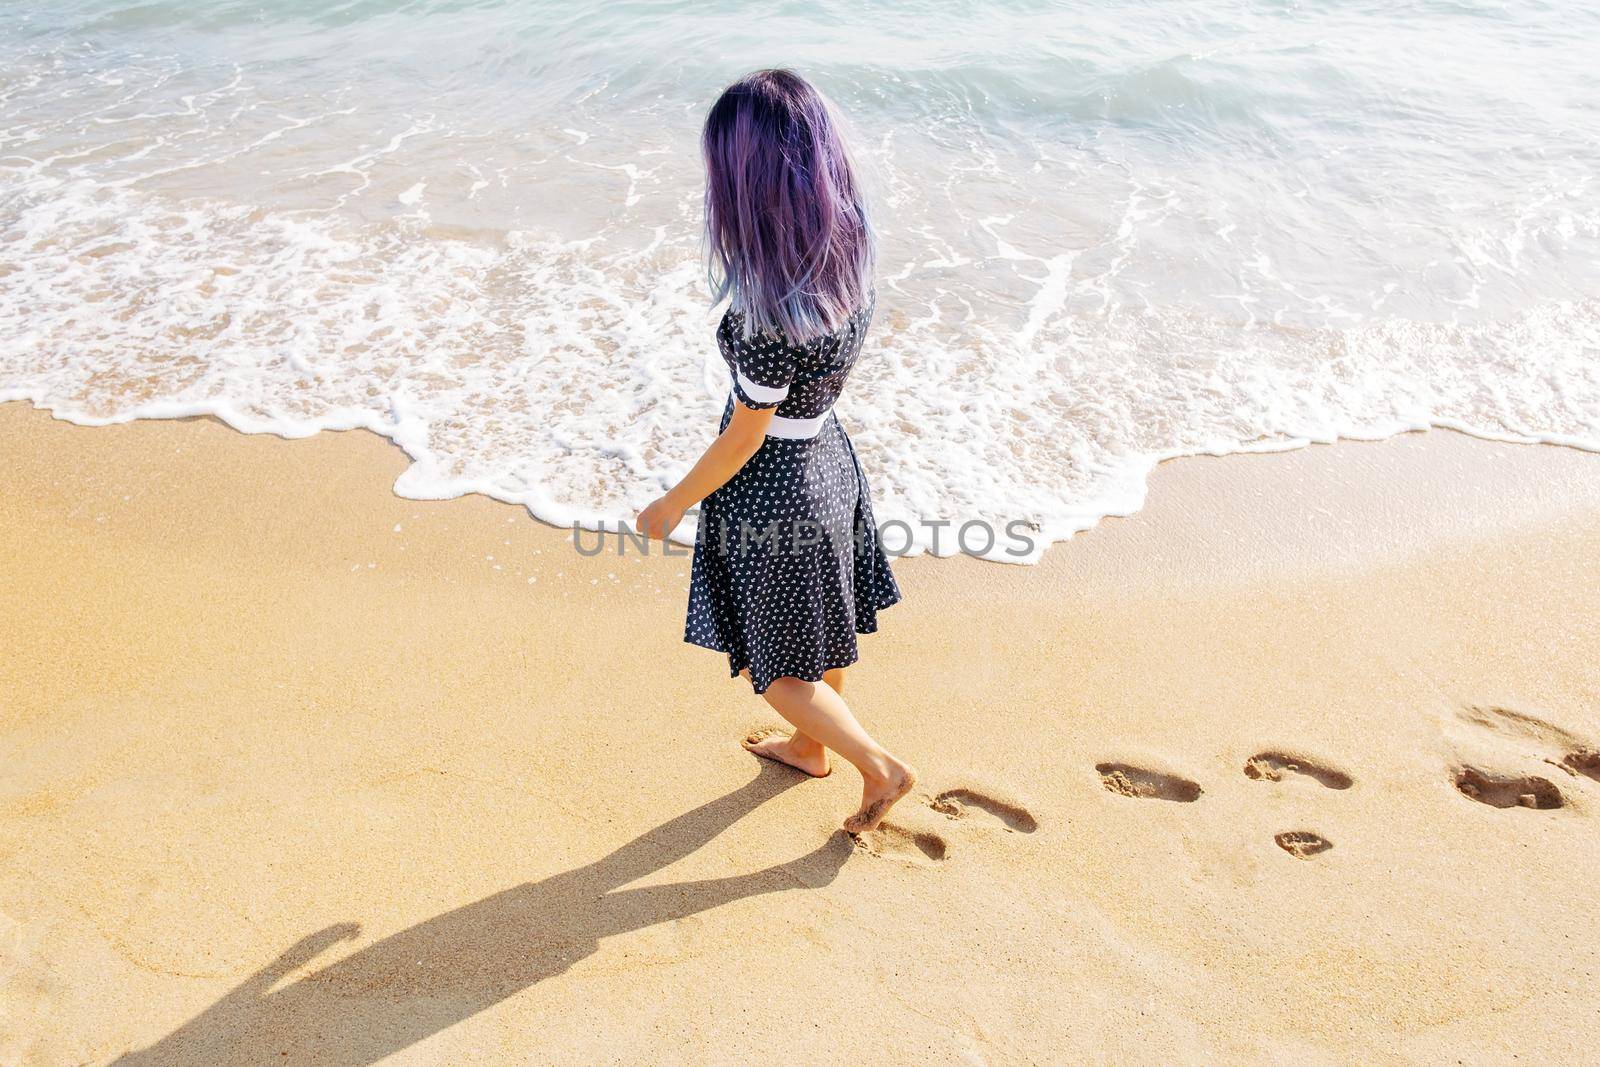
[787, 564]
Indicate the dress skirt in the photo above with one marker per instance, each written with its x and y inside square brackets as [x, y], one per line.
[788, 568]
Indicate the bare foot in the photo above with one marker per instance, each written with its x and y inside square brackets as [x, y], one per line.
[812, 758]
[878, 795]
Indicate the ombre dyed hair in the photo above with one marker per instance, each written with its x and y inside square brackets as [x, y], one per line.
[786, 226]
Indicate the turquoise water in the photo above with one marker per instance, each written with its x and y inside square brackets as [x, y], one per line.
[1111, 232]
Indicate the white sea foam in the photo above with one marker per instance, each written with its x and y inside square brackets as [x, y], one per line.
[1090, 264]
[531, 372]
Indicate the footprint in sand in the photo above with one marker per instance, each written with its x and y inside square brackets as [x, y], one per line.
[1126, 780]
[1585, 762]
[1508, 790]
[1560, 748]
[1275, 766]
[1302, 844]
[1521, 734]
[1278, 766]
[916, 847]
[963, 803]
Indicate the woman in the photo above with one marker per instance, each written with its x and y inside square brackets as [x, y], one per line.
[787, 565]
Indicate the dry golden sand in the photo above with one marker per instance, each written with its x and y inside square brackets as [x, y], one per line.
[296, 771]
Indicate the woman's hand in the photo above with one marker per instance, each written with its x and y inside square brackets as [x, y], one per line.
[659, 519]
[730, 451]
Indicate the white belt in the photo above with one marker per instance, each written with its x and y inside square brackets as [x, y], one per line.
[797, 429]
[788, 429]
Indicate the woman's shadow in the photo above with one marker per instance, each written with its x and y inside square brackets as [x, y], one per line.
[412, 984]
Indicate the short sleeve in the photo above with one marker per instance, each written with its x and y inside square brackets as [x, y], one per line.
[763, 365]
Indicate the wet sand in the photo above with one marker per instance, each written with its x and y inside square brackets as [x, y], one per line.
[1293, 765]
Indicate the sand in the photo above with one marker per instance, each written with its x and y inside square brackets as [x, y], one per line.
[296, 771]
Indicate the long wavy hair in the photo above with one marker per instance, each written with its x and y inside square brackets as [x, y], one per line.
[787, 236]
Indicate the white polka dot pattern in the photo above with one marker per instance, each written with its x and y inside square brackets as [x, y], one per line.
[787, 565]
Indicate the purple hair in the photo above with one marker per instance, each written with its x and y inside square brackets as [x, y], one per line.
[786, 226]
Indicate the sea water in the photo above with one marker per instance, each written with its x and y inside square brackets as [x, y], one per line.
[1111, 232]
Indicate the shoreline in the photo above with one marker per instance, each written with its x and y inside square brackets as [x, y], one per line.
[257, 700]
[1126, 504]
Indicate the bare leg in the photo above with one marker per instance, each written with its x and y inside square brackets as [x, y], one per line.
[799, 751]
[820, 713]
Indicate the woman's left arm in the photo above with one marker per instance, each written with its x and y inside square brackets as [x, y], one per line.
[722, 459]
